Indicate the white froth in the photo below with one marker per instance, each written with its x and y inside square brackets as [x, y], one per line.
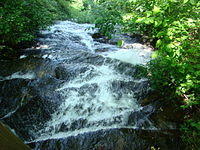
[20, 75]
[132, 56]
[90, 96]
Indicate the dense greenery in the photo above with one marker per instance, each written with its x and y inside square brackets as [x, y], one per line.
[21, 19]
[173, 26]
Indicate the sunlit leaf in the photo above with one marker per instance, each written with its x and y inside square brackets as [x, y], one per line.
[140, 20]
[120, 43]
[156, 10]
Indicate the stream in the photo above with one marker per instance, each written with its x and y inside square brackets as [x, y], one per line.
[72, 91]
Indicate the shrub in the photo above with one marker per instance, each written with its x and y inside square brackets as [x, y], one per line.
[21, 19]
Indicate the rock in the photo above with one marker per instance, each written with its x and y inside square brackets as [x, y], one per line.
[148, 109]
[69, 71]
[114, 139]
[100, 38]
[29, 64]
[141, 118]
[61, 73]
[125, 37]
[11, 102]
[139, 88]
[30, 105]
[166, 114]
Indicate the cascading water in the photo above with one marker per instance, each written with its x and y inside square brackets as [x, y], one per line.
[82, 86]
[91, 100]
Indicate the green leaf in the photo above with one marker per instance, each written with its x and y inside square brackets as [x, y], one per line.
[158, 43]
[120, 43]
[156, 10]
[148, 20]
[193, 2]
[140, 20]
[154, 54]
[157, 23]
[148, 13]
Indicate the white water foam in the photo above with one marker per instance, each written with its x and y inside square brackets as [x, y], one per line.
[99, 108]
[90, 101]
[19, 75]
[66, 28]
[133, 56]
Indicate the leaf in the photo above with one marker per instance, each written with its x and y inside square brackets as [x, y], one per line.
[158, 43]
[161, 33]
[148, 13]
[156, 10]
[149, 20]
[140, 20]
[157, 23]
[154, 54]
[193, 2]
[120, 43]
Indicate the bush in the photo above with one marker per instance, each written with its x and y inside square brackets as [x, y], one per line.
[21, 19]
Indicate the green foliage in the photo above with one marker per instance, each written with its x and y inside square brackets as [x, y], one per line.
[191, 129]
[80, 11]
[21, 19]
[175, 71]
[104, 14]
[108, 16]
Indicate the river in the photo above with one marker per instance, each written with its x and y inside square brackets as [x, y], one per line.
[71, 91]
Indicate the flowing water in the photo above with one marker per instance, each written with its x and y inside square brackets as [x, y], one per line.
[84, 86]
[97, 97]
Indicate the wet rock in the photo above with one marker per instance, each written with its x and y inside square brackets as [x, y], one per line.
[148, 109]
[75, 38]
[78, 124]
[46, 86]
[61, 73]
[32, 51]
[114, 139]
[101, 47]
[166, 114]
[122, 87]
[12, 93]
[39, 66]
[141, 118]
[101, 50]
[88, 88]
[100, 38]
[89, 58]
[65, 68]
[57, 31]
[139, 88]
[64, 127]
[136, 71]
[70, 71]
[142, 88]
[125, 37]
[33, 103]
